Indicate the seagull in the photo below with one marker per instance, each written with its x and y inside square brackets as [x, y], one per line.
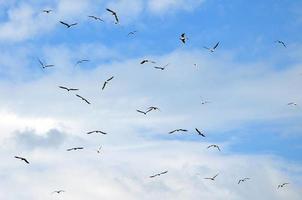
[96, 132]
[282, 185]
[81, 61]
[75, 148]
[47, 11]
[44, 65]
[292, 104]
[146, 61]
[177, 130]
[200, 132]
[212, 178]
[99, 149]
[243, 180]
[106, 82]
[68, 25]
[132, 33]
[58, 191]
[114, 14]
[183, 38]
[145, 113]
[155, 175]
[214, 146]
[83, 99]
[161, 68]
[205, 102]
[212, 49]
[68, 89]
[23, 159]
[95, 17]
[281, 42]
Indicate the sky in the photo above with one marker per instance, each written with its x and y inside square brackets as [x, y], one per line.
[248, 80]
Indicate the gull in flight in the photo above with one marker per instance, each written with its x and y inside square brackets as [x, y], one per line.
[178, 130]
[212, 49]
[96, 132]
[159, 174]
[243, 180]
[201, 133]
[68, 25]
[212, 178]
[146, 61]
[23, 159]
[106, 82]
[114, 14]
[281, 42]
[47, 11]
[44, 65]
[68, 89]
[214, 146]
[282, 185]
[75, 148]
[161, 68]
[95, 18]
[183, 38]
[83, 99]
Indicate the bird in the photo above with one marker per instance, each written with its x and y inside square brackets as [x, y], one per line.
[145, 113]
[212, 49]
[81, 61]
[23, 159]
[75, 148]
[203, 102]
[68, 25]
[83, 99]
[106, 82]
[200, 133]
[281, 42]
[282, 185]
[292, 104]
[178, 130]
[95, 17]
[44, 65]
[214, 146]
[68, 89]
[159, 174]
[47, 11]
[161, 68]
[183, 38]
[114, 14]
[58, 191]
[243, 180]
[132, 33]
[96, 132]
[99, 149]
[212, 178]
[146, 61]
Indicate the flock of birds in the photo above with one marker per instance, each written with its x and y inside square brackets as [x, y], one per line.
[183, 38]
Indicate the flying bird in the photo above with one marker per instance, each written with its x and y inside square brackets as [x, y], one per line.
[68, 25]
[83, 99]
[44, 65]
[178, 130]
[68, 89]
[106, 82]
[214, 146]
[146, 61]
[200, 132]
[47, 11]
[95, 17]
[205, 102]
[58, 191]
[212, 178]
[281, 42]
[243, 180]
[81, 61]
[132, 33]
[23, 159]
[292, 104]
[99, 149]
[75, 148]
[161, 68]
[114, 14]
[212, 49]
[183, 38]
[159, 174]
[282, 185]
[96, 132]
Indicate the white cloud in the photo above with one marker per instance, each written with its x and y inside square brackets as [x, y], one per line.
[164, 6]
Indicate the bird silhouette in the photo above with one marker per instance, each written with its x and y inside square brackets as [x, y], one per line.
[96, 132]
[212, 178]
[183, 38]
[58, 191]
[23, 159]
[161, 68]
[83, 99]
[44, 65]
[212, 49]
[282, 185]
[146, 61]
[68, 89]
[106, 82]
[159, 174]
[243, 180]
[47, 11]
[81, 61]
[145, 113]
[68, 25]
[200, 133]
[281, 42]
[213, 146]
[95, 18]
[75, 148]
[178, 130]
[114, 14]
[132, 33]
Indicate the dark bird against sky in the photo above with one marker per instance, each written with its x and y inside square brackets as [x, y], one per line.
[114, 14]
[178, 130]
[159, 174]
[23, 159]
[83, 99]
[68, 25]
[68, 89]
[214, 146]
[75, 148]
[106, 82]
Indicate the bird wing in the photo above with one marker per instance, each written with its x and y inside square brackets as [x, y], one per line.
[73, 89]
[110, 10]
[210, 146]
[207, 48]
[90, 132]
[144, 61]
[102, 132]
[116, 17]
[215, 176]
[104, 85]
[110, 78]
[64, 23]
[141, 111]
[49, 66]
[41, 63]
[164, 172]
[62, 87]
[216, 45]
[73, 24]
[172, 131]
[184, 130]
[218, 147]
[198, 131]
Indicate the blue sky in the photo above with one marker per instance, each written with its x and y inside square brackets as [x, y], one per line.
[249, 81]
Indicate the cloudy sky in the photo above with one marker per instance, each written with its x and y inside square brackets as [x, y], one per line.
[249, 81]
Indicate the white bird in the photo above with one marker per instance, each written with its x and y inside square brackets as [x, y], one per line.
[212, 49]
